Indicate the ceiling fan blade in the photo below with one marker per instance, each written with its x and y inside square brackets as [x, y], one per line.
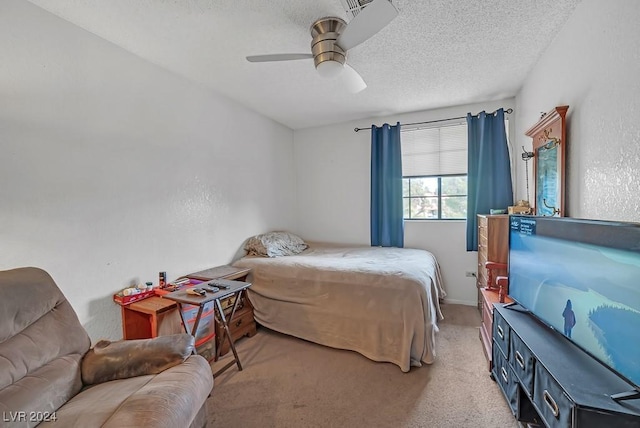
[352, 80]
[278, 57]
[373, 18]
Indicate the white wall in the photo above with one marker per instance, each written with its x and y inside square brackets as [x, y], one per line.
[113, 169]
[593, 66]
[333, 173]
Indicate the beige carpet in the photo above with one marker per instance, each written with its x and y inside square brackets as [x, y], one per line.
[288, 382]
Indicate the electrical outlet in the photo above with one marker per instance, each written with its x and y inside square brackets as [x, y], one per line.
[470, 274]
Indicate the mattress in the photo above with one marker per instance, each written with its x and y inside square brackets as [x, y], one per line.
[383, 303]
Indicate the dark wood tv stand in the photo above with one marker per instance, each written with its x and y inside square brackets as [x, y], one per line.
[548, 380]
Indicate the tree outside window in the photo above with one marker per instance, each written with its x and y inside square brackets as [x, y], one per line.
[440, 197]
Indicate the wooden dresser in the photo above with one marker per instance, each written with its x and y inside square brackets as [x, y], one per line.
[493, 245]
[489, 297]
[243, 323]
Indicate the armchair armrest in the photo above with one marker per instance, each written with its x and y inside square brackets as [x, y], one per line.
[129, 358]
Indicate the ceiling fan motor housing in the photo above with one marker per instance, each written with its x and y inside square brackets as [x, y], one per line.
[324, 33]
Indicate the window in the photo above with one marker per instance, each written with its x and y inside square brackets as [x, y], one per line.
[434, 171]
[443, 197]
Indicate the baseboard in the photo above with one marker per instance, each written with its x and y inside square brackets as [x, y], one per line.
[461, 302]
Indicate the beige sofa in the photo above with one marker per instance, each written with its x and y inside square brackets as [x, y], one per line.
[50, 376]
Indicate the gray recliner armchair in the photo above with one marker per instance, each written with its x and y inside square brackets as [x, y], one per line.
[50, 376]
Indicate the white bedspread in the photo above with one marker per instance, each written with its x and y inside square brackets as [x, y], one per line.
[380, 302]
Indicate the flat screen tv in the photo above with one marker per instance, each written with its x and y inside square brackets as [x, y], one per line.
[581, 278]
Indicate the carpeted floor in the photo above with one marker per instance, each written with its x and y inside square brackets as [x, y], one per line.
[288, 382]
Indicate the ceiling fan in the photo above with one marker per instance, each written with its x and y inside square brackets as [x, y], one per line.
[332, 37]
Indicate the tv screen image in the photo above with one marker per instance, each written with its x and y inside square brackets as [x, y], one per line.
[582, 278]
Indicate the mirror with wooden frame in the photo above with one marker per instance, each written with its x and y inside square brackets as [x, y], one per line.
[549, 154]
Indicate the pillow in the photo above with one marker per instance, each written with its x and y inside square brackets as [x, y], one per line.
[275, 244]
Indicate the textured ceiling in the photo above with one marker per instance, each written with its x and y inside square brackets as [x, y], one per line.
[436, 53]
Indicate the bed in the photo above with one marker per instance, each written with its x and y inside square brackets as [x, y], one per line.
[380, 302]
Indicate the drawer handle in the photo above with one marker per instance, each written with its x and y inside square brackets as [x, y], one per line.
[504, 375]
[500, 332]
[238, 323]
[551, 403]
[520, 359]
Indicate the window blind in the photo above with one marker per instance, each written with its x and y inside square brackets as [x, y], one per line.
[434, 151]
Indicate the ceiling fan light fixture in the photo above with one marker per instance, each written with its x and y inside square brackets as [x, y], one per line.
[332, 37]
[330, 69]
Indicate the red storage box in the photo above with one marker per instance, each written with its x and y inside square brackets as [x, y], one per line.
[123, 300]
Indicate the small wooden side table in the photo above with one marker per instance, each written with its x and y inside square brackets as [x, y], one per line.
[151, 317]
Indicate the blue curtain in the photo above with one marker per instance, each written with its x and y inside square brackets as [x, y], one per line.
[489, 170]
[387, 222]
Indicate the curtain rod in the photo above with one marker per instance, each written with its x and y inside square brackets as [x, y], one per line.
[508, 111]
